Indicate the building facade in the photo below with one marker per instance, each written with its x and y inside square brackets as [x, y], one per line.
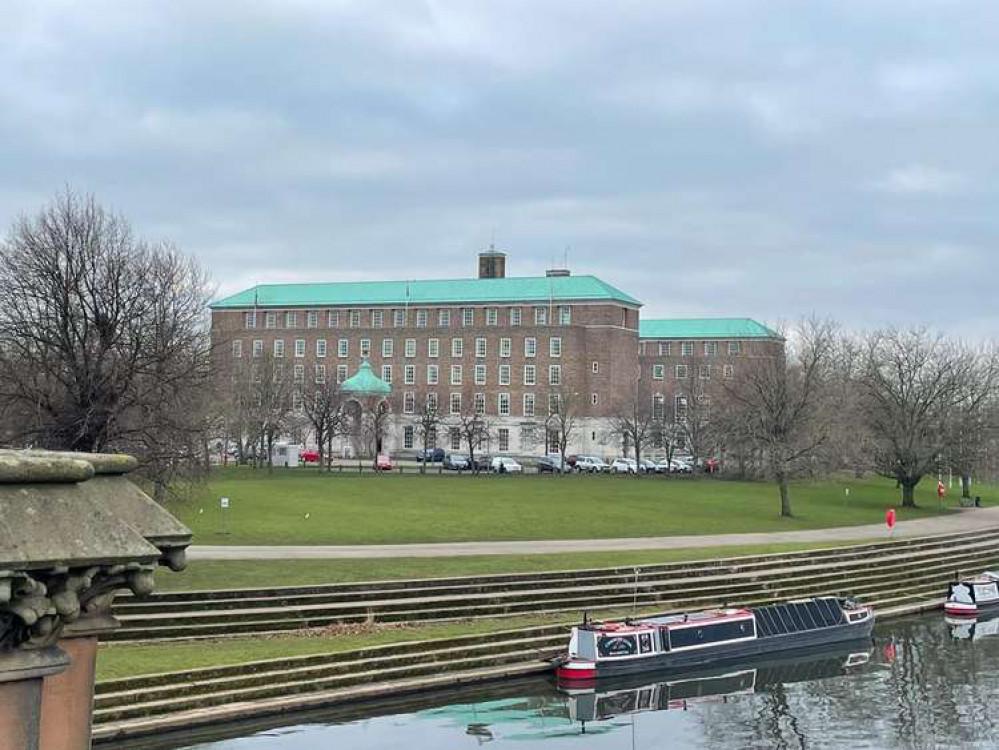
[505, 350]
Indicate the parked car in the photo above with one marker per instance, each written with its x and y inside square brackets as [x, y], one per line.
[383, 462]
[590, 464]
[624, 466]
[553, 464]
[456, 461]
[482, 463]
[506, 465]
[647, 467]
[309, 456]
[676, 466]
[431, 455]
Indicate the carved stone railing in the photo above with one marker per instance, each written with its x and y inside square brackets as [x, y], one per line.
[74, 531]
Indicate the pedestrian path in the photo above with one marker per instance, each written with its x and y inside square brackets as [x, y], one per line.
[958, 520]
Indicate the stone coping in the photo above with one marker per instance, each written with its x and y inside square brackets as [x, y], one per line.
[17, 467]
[103, 463]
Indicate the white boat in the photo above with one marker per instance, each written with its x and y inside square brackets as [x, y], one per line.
[969, 597]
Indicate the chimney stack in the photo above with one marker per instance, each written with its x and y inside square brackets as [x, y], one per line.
[492, 264]
[557, 272]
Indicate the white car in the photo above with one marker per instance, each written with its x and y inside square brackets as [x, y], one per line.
[624, 466]
[590, 464]
[506, 465]
[676, 466]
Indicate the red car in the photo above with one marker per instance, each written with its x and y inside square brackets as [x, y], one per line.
[309, 456]
[383, 462]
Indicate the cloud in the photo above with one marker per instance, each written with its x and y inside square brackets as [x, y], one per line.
[917, 179]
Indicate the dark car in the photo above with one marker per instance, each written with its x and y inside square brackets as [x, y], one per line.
[456, 462]
[482, 463]
[551, 464]
[431, 455]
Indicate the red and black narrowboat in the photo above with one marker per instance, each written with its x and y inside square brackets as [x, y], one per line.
[970, 597]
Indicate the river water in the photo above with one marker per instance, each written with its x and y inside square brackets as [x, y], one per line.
[922, 683]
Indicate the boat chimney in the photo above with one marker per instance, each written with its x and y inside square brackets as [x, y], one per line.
[492, 264]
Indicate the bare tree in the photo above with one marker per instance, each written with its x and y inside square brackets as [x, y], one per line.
[634, 422]
[106, 338]
[427, 422]
[268, 405]
[322, 407]
[475, 430]
[913, 381]
[695, 428]
[781, 403]
[562, 420]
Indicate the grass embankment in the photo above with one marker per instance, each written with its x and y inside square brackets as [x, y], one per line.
[236, 574]
[302, 506]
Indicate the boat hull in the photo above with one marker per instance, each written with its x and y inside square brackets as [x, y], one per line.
[965, 609]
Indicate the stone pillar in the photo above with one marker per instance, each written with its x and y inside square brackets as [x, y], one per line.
[21, 675]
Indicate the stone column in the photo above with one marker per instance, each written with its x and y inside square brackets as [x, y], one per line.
[21, 675]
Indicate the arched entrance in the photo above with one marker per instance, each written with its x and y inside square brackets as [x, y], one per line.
[367, 407]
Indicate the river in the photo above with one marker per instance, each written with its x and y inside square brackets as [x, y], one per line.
[922, 683]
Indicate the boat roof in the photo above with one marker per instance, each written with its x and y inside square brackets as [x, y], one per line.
[693, 618]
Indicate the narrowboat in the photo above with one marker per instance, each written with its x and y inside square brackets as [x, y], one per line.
[704, 639]
[973, 628]
[968, 597]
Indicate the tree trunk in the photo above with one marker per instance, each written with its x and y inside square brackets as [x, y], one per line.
[965, 484]
[785, 499]
[908, 493]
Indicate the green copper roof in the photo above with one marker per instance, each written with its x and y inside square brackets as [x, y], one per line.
[434, 291]
[704, 328]
[365, 381]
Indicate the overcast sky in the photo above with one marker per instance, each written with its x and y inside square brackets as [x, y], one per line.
[745, 158]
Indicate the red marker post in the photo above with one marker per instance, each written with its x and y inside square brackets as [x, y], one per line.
[890, 520]
[941, 491]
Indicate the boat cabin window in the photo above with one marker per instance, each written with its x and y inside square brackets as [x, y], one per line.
[715, 633]
[645, 642]
[617, 645]
[986, 592]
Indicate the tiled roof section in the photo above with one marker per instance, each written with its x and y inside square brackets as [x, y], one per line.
[434, 291]
[704, 328]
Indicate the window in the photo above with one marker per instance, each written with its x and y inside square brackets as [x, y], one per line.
[387, 373]
[492, 316]
[456, 403]
[658, 372]
[320, 348]
[686, 348]
[734, 347]
[320, 374]
[342, 347]
[432, 402]
[680, 409]
[555, 375]
[433, 348]
[467, 317]
[409, 375]
[505, 347]
[593, 399]
[250, 319]
[299, 373]
[443, 318]
[530, 347]
[399, 318]
[341, 373]
[377, 317]
[291, 319]
[237, 349]
[421, 318]
[700, 635]
[530, 375]
[297, 402]
[503, 404]
[681, 372]
[658, 407]
[312, 319]
[664, 348]
[432, 374]
[555, 346]
[388, 347]
[504, 375]
[270, 320]
[408, 405]
[515, 316]
[504, 438]
[365, 347]
[480, 404]
[279, 372]
[528, 404]
[279, 348]
[710, 348]
[410, 348]
[258, 348]
[729, 372]
[408, 431]
[554, 400]
[564, 315]
[480, 347]
[480, 374]
[704, 372]
[455, 374]
[540, 316]
[595, 367]
[354, 318]
[333, 318]
[299, 347]
[455, 438]
[457, 347]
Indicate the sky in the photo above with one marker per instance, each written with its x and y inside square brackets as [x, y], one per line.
[760, 158]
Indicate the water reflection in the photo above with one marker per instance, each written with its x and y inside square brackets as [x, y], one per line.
[925, 683]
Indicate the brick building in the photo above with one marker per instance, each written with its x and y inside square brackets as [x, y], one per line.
[504, 348]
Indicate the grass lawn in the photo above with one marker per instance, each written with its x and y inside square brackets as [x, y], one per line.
[303, 506]
[235, 574]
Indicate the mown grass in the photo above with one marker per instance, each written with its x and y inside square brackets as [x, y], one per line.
[235, 574]
[302, 506]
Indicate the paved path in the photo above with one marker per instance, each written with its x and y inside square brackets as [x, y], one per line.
[957, 521]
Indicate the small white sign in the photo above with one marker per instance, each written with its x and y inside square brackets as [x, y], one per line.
[223, 502]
